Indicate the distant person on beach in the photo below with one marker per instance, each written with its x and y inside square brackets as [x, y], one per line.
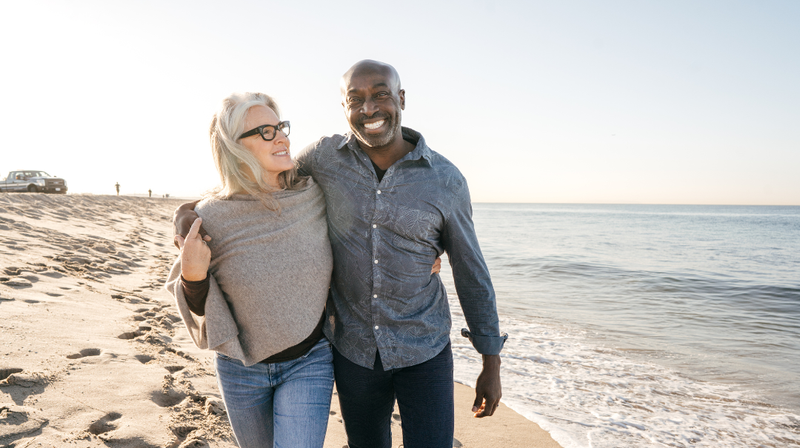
[394, 205]
[149, 193]
[256, 293]
[117, 186]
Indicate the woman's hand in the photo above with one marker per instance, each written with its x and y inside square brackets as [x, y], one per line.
[182, 221]
[437, 266]
[195, 254]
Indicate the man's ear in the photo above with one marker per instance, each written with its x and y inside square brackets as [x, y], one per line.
[402, 95]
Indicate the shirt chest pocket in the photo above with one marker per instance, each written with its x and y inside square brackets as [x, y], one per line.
[413, 226]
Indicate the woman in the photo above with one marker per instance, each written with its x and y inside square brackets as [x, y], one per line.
[256, 293]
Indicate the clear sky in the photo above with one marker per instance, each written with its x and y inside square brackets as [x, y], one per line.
[682, 102]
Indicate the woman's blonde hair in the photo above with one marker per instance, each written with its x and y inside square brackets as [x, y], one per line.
[230, 155]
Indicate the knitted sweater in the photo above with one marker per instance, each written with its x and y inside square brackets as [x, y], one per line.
[269, 274]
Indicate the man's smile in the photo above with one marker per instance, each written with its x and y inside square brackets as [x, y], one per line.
[373, 126]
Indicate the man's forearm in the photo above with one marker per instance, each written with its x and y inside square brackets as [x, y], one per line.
[491, 362]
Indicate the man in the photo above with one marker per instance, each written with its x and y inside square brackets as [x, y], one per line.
[393, 207]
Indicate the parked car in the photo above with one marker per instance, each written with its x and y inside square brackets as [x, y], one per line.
[33, 181]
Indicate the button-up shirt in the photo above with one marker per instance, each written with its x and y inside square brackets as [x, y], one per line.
[385, 235]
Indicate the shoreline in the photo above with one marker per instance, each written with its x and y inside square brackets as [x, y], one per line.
[93, 352]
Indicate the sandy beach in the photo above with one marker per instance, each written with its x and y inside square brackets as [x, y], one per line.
[94, 354]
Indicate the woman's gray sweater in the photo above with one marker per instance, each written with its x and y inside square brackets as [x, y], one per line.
[270, 274]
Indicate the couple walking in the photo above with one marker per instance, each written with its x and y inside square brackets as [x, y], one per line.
[321, 268]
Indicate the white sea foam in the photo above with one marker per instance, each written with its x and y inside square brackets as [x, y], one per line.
[587, 395]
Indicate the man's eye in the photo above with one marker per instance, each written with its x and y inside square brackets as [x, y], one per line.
[353, 100]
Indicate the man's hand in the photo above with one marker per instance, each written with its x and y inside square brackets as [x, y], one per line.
[182, 221]
[437, 266]
[487, 389]
[195, 254]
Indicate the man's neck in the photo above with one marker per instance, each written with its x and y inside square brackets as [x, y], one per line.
[386, 156]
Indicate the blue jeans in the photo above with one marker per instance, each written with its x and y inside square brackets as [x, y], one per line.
[285, 404]
[424, 395]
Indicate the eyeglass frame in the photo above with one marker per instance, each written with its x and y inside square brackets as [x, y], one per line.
[260, 130]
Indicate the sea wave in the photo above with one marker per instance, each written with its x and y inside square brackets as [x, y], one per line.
[589, 395]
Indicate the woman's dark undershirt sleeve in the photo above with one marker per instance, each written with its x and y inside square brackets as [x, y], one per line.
[195, 294]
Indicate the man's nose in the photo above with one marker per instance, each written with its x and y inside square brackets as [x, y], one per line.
[369, 107]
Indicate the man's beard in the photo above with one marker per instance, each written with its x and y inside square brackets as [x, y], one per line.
[378, 140]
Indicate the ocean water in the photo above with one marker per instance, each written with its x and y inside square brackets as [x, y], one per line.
[645, 325]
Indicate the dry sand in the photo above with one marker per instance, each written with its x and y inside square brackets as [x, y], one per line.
[93, 352]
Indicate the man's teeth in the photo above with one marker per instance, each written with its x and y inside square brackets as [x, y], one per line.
[375, 125]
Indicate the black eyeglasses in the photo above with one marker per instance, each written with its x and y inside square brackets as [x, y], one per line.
[268, 131]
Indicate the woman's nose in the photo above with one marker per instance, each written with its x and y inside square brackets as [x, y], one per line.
[280, 136]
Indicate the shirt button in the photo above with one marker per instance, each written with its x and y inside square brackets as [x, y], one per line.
[376, 327]
[374, 296]
[379, 191]
[374, 226]
[376, 261]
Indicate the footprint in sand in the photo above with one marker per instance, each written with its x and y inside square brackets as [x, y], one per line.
[183, 431]
[144, 359]
[159, 316]
[168, 398]
[18, 282]
[8, 371]
[84, 353]
[134, 334]
[105, 424]
[17, 421]
[130, 298]
[55, 272]
[17, 377]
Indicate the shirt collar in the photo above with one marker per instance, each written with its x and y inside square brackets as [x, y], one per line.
[421, 150]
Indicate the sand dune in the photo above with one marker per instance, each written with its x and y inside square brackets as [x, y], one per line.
[92, 350]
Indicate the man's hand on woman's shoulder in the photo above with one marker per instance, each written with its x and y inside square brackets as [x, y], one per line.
[182, 221]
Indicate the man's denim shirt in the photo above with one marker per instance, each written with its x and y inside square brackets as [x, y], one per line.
[385, 237]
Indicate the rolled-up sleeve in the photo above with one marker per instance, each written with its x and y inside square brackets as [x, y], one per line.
[471, 275]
